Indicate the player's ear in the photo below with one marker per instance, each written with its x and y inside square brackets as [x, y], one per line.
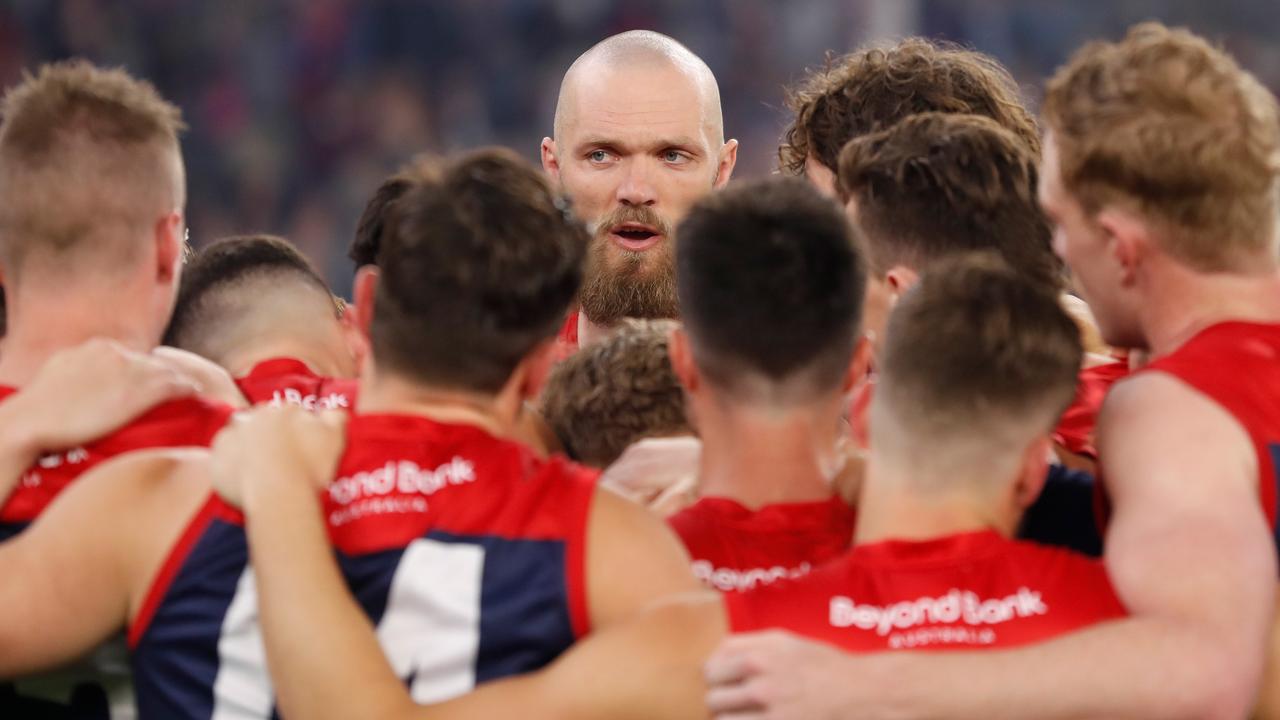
[535, 367]
[366, 287]
[682, 363]
[357, 340]
[168, 242]
[550, 160]
[1128, 240]
[728, 159]
[1033, 470]
[900, 279]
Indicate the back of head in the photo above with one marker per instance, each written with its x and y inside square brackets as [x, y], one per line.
[1166, 125]
[364, 246]
[615, 392]
[978, 362]
[242, 290]
[937, 184]
[478, 266]
[89, 162]
[771, 289]
[874, 88]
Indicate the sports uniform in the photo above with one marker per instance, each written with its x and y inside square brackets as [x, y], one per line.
[735, 548]
[466, 551]
[1236, 365]
[187, 422]
[963, 591]
[286, 381]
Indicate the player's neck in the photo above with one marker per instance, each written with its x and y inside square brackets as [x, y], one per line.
[590, 333]
[1183, 303]
[758, 460]
[390, 394]
[41, 325]
[891, 506]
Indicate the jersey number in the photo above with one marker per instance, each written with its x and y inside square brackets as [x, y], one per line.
[430, 631]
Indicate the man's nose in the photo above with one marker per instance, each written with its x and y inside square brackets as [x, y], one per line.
[637, 185]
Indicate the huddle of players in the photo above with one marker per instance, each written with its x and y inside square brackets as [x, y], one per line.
[465, 559]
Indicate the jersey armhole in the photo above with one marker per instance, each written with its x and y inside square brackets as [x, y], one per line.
[213, 507]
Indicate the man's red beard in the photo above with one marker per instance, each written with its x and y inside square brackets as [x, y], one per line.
[620, 283]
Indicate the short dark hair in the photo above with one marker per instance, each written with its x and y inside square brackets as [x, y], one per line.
[770, 285]
[936, 184]
[976, 342]
[873, 88]
[478, 266]
[364, 246]
[222, 267]
[615, 392]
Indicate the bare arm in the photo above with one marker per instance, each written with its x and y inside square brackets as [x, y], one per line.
[1189, 552]
[75, 576]
[80, 395]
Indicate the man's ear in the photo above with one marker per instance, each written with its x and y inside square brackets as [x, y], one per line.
[1128, 240]
[366, 288]
[550, 160]
[1032, 471]
[859, 364]
[900, 279]
[728, 159]
[357, 340]
[168, 241]
[682, 363]
[534, 369]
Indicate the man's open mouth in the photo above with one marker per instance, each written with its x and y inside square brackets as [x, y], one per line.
[634, 237]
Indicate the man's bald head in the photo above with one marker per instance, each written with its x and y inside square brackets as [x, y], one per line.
[639, 138]
[636, 49]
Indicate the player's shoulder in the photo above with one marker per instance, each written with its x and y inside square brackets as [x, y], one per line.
[138, 490]
[183, 422]
[1157, 399]
[143, 472]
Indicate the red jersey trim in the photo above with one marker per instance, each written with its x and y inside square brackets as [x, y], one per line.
[172, 564]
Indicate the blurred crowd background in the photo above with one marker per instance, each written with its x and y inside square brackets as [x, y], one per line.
[298, 108]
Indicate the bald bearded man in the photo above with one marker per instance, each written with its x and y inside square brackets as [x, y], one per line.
[638, 138]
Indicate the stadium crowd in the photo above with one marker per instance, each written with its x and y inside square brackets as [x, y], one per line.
[965, 414]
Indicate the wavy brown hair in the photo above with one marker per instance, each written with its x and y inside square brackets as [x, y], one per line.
[1165, 124]
[874, 88]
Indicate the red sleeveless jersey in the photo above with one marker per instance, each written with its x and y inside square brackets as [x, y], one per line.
[188, 422]
[286, 381]
[1237, 365]
[964, 591]
[735, 548]
[466, 552]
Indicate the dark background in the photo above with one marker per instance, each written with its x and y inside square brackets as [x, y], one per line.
[298, 108]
